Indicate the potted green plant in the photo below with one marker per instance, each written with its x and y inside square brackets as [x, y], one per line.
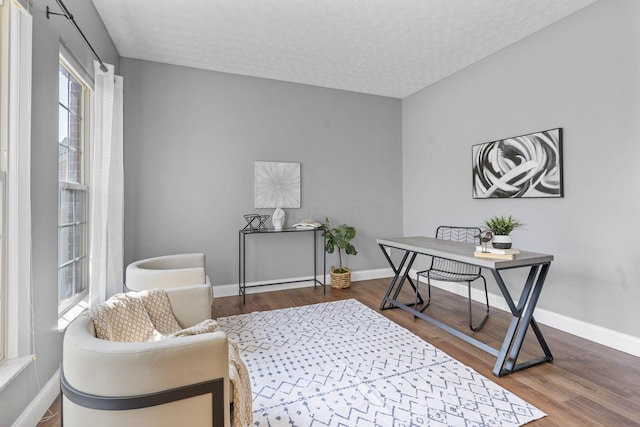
[501, 227]
[340, 237]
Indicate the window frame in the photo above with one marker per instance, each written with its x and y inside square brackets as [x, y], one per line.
[4, 103]
[72, 67]
[4, 319]
[15, 164]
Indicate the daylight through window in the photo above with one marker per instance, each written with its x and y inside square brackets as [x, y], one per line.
[73, 189]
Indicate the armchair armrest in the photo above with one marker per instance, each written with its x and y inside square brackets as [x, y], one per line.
[181, 377]
[97, 366]
[167, 272]
[168, 262]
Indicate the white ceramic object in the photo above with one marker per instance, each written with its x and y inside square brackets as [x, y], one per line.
[277, 219]
[501, 242]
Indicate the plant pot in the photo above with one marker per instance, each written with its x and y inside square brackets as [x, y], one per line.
[501, 242]
[340, 280]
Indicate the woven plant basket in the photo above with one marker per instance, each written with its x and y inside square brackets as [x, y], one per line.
[340, 280]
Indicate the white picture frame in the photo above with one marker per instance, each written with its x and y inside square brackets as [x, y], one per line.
[277, 185]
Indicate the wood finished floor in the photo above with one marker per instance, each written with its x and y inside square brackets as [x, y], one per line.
[586, 385]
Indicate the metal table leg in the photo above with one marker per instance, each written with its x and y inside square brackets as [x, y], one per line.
[398, 284]
[242, 277]
[324, 260]
[315, 261]
[520, 322]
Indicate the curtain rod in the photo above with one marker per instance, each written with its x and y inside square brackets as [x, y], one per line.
[69, 16]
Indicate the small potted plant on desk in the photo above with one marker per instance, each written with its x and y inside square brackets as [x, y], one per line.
[340, 237]
[501, 228]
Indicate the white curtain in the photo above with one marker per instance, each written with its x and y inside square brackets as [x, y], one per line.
[16, 310]
[106, 188]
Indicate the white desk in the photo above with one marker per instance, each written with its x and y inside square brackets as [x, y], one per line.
[522, 312]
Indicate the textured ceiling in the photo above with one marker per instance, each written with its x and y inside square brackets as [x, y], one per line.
[383, 47]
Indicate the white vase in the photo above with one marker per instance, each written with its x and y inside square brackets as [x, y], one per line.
[277, 219]
[501, 241]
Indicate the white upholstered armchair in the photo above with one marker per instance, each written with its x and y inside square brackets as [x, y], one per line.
[173, 382]
[169, 271]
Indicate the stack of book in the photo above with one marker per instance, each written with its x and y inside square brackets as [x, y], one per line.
[491, 252]
[307, 224]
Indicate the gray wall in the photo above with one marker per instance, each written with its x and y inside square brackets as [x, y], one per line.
[581, 74]
[191, 140]
[44, 177]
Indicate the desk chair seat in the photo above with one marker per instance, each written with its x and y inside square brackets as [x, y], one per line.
[452, 271]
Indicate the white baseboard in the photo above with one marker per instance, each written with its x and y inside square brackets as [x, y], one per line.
[608, 337]
[232, 288]
[32, 415]
[380, 273]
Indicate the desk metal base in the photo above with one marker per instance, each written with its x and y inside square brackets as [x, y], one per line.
[522, 312]
[242, 278]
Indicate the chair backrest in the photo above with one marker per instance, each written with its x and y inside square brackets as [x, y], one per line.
[456, 234]
[169, 271]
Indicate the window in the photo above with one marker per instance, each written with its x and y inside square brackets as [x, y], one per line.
[73, 103]
[15, 167]
[3, 288]
[3, 120]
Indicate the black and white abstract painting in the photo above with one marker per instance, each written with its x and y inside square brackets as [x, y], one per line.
[522, 166]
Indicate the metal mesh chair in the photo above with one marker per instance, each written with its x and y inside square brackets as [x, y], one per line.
[452, 271]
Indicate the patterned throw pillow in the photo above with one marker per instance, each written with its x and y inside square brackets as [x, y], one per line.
[142, 316]
[122, 319]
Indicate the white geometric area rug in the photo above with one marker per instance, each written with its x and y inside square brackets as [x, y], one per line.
[342, 364]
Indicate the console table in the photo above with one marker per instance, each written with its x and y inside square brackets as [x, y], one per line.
[522, 312]
[242, 279]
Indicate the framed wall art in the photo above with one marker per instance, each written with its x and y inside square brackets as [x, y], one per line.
[524, 166]
[277, 185]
